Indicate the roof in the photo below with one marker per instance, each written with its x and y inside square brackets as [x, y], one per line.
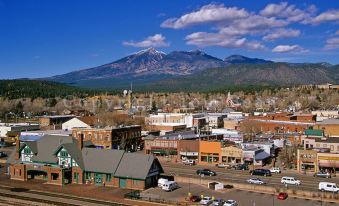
[46, 147]
[329, 121]
[327, 140]
[75, 153]
[101, 160]
[314, 132]
[136, 165]
[262, 156]
[90, 120]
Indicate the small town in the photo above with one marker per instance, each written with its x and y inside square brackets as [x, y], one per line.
[169, 103]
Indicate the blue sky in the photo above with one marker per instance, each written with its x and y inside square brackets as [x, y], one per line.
[40, 38]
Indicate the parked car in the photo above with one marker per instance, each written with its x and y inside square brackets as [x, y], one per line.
[206, 172]
[275, 170]
[162, 181]
[223, 165]
[290, 180]
[230, 203]
[189, 162]
[241, 167]
[328, 187]
[256, 181]
[3, 154]
[322, 174]
[262, 172]
[170, 186]
[193, 198]
[218, 202]
[282, 196]
[206, 201]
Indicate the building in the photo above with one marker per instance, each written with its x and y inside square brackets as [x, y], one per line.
[330, 127]
[127, 138]
[54, 121]
[231, 155]
[228, 134]
[231, 124]
[330, 144]
[166, 127]
[14, 129]
[177, 118]
[215, 120]
[64, 160]
[209, 152]
[326, 114]
[188, 149]
[74, 122]
[313, 160]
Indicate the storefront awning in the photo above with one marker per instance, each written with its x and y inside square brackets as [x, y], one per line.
[189, 154]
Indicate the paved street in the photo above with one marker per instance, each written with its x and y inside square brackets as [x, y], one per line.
[251, 198]
[308, 182]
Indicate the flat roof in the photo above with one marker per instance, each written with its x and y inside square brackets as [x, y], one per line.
[329, 121]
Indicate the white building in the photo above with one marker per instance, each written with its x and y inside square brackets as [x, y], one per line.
[16, 127]
[74, 123]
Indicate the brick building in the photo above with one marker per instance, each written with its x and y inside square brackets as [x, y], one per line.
[63, 160]
[126, 138]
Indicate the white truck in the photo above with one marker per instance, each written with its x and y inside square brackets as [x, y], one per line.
[328, 187]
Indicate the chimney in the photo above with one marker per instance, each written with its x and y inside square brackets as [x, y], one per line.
[81, 141]
[17, 147]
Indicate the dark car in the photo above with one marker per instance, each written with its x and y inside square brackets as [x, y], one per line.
[193, 198]
[206, 172]
[241, 167]
[322, 174]
[282, 196]
[262, 172]
[2, 154]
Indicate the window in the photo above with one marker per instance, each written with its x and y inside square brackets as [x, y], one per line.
[88, 175]
[325, 145]
[136, 182]
[332, 148]
[337, 148]
[108, 177]
[64, 153]
[27, 150]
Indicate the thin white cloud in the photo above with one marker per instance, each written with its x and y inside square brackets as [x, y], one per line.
[330, 15]
[211, 13]
[288, 48]
[281, 33]
[332, 43]
[157, 40]
[204, 39]
[289, 12]
[337, 32]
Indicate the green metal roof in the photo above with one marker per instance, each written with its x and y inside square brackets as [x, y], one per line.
[314, 132]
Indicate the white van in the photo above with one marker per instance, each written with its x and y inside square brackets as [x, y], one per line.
[162, 181]
[169, 186]
[290, 180]
[328, 186]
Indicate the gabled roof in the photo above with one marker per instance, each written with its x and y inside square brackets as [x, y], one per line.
[47, 146]
[101, 160]
[134, 165]
[73, 150]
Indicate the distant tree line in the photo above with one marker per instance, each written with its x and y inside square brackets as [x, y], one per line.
[16, 89]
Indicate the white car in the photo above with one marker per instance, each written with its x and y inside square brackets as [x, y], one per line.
[230, 203]
[218, 202]
[328, 187]
[275, 170]
[206, 200]
[256, 181]
[189, 162]
[290, 180]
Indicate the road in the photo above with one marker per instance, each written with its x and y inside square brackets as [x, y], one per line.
[308, 182]
[244, 198]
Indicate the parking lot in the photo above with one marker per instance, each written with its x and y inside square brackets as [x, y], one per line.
[244, 198]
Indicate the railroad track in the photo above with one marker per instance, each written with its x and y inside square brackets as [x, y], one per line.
[55, 195]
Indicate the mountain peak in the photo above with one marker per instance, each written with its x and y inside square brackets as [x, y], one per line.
[239, 59]
[150, 50]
